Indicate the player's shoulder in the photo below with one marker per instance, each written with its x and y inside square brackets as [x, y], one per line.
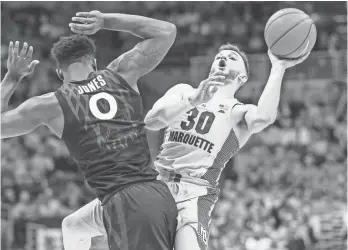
[180, 88]
[239, 106]
[42, 100]
[249, 109]
[45, 105]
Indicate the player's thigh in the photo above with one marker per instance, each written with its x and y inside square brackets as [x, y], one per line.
[141, 216]
[87, 220]
[186, 239]
[194, 222]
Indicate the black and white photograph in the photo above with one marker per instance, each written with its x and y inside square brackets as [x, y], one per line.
[173, 125]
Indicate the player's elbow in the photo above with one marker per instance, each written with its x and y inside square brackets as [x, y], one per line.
[268, 120]
[154, 122]
[271, 118]
[171, 30]
[169, 33]
[69, 224]
[259, 123]
[155, 126]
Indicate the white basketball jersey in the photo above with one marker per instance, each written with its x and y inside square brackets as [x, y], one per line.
[199, 145]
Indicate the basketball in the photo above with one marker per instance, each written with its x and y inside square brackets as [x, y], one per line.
[290, 33]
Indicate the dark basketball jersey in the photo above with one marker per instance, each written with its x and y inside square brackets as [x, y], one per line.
[104, 132]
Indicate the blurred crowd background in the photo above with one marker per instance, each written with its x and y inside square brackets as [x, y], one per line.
[285, 190]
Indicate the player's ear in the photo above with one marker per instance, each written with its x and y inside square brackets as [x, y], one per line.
[60, 74]
[242, 78]
[94, 64]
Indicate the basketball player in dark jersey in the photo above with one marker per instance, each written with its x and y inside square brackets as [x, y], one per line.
[98, 114]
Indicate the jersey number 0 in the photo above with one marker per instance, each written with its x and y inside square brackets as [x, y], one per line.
[95, 110]
[204, 123]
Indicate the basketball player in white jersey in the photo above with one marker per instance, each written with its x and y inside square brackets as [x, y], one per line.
[204, 128]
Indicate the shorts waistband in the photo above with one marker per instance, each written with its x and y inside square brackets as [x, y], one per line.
[169, 176]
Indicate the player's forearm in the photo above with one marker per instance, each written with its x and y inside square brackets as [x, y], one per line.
[7, 87]
[269, 100]
[167, 111]
[155, 140]
[140, 26]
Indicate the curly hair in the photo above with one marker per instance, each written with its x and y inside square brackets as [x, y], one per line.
[235, 48]
[71, 49]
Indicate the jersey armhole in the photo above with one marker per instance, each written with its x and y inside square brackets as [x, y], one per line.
[121, 80]
[234, 105]
[65, 111]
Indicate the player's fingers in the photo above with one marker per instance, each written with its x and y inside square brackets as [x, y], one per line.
[207, 91]
[269, 52]
[10, 51]
[30, 53]
[15, 49]
[217, 78]
[214, 83]
[304, 57]
[82, 32]
[32, 65]
[214, 73]
[85, 14]
[272, 56]
[83, 20]
[214, 89]
[203, 83]
[293, 62]
[78, 26]
[24, 50]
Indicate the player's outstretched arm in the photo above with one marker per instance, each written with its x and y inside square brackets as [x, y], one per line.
[259, 117]
[158, 37]
[180, 99]
[168, 108]
[31, 113]
[155, 140]
[36, 111]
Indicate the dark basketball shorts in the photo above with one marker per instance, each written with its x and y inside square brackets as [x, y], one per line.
[141, 216]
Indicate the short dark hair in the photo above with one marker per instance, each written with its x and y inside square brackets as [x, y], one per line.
[235, 48]
[71, 49]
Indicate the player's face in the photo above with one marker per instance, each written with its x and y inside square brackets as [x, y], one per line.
[228, 63]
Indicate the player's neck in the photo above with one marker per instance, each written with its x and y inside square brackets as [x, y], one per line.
[77, 72]
[226, 92]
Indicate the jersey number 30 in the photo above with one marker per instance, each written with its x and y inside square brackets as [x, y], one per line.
[204, 122]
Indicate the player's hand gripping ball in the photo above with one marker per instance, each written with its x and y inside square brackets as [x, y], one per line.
[290, 33]
[286, 63]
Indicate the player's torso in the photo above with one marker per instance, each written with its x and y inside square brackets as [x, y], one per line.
[103, 127]
[199, 145]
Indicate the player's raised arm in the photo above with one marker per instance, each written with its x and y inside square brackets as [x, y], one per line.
[19, 65]
[265, 113]
[180, 99]
[33, 112]
[145, 56]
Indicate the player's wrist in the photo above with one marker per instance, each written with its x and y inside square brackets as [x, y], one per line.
[279, 67]
[14, 77]
[191, 101]
[102, 21]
